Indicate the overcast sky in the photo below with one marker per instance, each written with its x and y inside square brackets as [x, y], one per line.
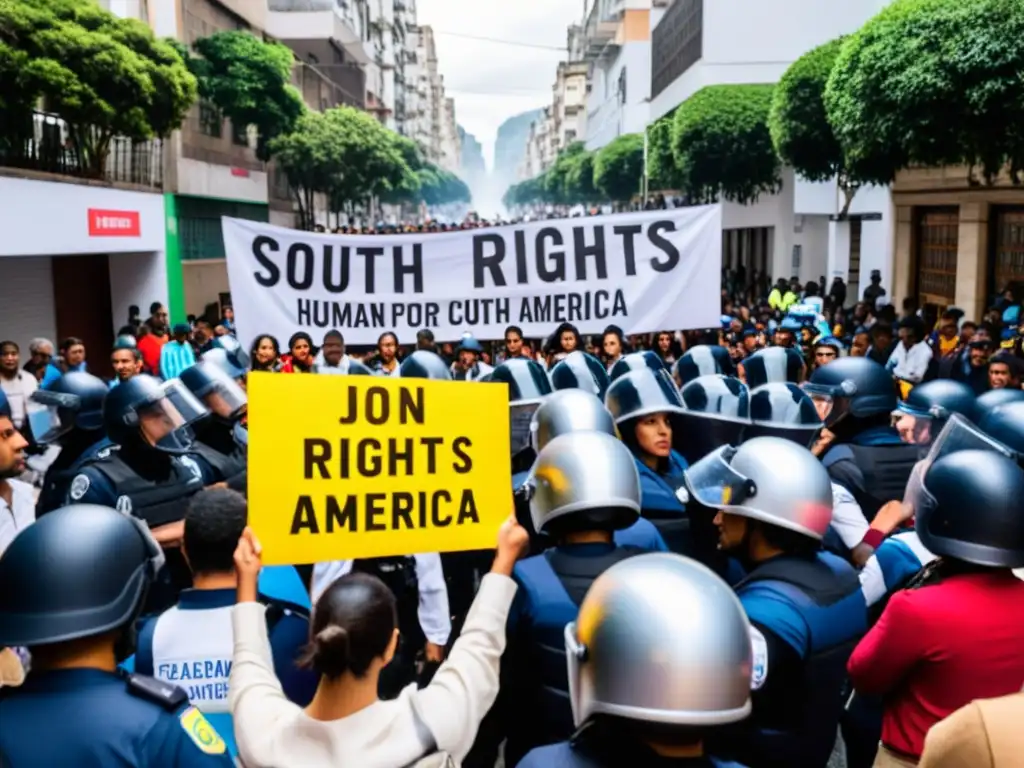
[491, 82]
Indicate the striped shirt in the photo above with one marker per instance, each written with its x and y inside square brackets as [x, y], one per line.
[175, 358]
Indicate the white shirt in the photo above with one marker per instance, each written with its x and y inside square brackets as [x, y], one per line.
[847, 517]
[19, 515]
[910, 364]
[341, 369]
[18, 391]
[434, 613]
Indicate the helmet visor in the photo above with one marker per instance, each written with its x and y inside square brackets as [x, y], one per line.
[714, 483]
[165, 422]
[226, 398]
[520, 417]
[914, 428]
[45, 423]
[237, 358]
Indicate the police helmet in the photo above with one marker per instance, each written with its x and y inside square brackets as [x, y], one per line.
[931, 404]
[1005, 423]
[220, 393]
[5, 406]
[717, 410]
[783, 410]
[749, 481]
[634, 360]
[993, 399]
[641, 392]
[569, 410]
[145, 411]
[470, 344]
[773, 365]
[527, 382]
[972, 509]
[702, 360]
[74, 401]
[424, 364]
[856, 386]
[235, 359]
[54, 589]
[578, 370]
[582, 481]
[628, 659]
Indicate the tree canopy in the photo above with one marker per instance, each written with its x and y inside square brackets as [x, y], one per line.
[661, 161]
[619, 167]
[103, 75]
[931, 82]
[249, 80]
[722, 145]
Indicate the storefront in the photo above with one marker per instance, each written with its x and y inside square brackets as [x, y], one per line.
[74, 257]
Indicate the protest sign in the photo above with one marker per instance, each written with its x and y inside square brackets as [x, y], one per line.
[343, 467]
[644, 272]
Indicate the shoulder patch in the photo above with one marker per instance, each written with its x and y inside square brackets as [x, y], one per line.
[103, 453]
[124, 505]
[203, 734]
[759, 666]
[192, 467]
[79, 487]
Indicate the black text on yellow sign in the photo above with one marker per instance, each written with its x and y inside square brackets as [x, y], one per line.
[343, 467]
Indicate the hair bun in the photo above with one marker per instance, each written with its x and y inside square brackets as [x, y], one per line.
[331, 650]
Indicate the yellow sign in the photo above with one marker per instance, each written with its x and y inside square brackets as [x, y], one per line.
[342, 467]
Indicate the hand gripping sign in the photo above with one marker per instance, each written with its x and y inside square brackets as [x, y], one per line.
[344, 467]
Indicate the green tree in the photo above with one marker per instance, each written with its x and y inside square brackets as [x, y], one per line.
[103, 75]
[932, 82]
[249, 80]
[311, 157]
[619, 167]
[722, 145]
[556, 187]
[661, 160]
[405, 186]
[579, 179]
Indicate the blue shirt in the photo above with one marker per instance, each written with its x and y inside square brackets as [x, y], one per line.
[175, 357]
[89, 718]
[53, 373]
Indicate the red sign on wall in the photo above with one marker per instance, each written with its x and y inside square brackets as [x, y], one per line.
[105, 223]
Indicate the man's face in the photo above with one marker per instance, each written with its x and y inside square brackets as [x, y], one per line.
[467, 359]
[388, 348]
[948, 329]
[9, 359]
[333, 350]
[999, 376]
[732, 530]
[124, 364]
[42, 356]
[160, 318]
[882, 340]
[784, 338]
[75, 354]
[12, 446]
[979, 357]
[907, 337]
[513, 344]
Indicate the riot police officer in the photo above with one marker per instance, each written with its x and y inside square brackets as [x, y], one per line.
[860, 448]
[634, 360]
[716, 413]
[644, 404]
[90, 568]
[773, 365]
[578, 370]
[584, 487]
[920, 418]
[227, 353]
[69, 412]
[564, 412]
[148, 472]
[774, 502]
[220, 439]
[623, 636]
[702, 360]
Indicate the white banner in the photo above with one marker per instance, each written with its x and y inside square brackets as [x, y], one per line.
[644, 272]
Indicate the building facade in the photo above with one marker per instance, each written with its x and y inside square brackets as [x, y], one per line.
[697, 43]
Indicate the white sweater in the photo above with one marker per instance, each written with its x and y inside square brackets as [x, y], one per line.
[272, 732]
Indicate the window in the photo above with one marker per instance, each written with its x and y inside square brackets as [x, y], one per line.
[676, 43]
[240, 135]
[210, 120]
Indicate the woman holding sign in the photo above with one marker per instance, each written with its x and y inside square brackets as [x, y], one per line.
[354, 635]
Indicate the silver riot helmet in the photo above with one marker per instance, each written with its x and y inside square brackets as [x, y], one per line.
[769, 479]
[717, 412]
[583, 481]
[660, 639]
[783, 410]
[642, 392]
[566, 411]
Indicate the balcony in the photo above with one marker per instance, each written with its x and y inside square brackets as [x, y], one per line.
[602, 28]
[305, 25]
[47, 147]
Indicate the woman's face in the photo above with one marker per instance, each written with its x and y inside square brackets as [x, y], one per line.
[611, 345]
[654, 435]
[265, 352]
[664, 342]
[568, 340]
[300, 350]
[387, 348]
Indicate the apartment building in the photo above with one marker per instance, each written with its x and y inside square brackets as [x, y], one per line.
[451, 144]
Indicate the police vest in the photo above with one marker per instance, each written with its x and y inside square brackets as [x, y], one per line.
[825, 595]
[554, 584]
[226, 465]
[155, 503]
[886, 470]
[660, 505]
[399, 575]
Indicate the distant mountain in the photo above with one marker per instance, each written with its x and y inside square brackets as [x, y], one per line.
[471, 161]
[510, 145]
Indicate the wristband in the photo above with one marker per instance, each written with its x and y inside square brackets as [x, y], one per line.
[873, 538]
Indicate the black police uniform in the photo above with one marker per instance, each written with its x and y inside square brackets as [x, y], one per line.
[94, 719]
